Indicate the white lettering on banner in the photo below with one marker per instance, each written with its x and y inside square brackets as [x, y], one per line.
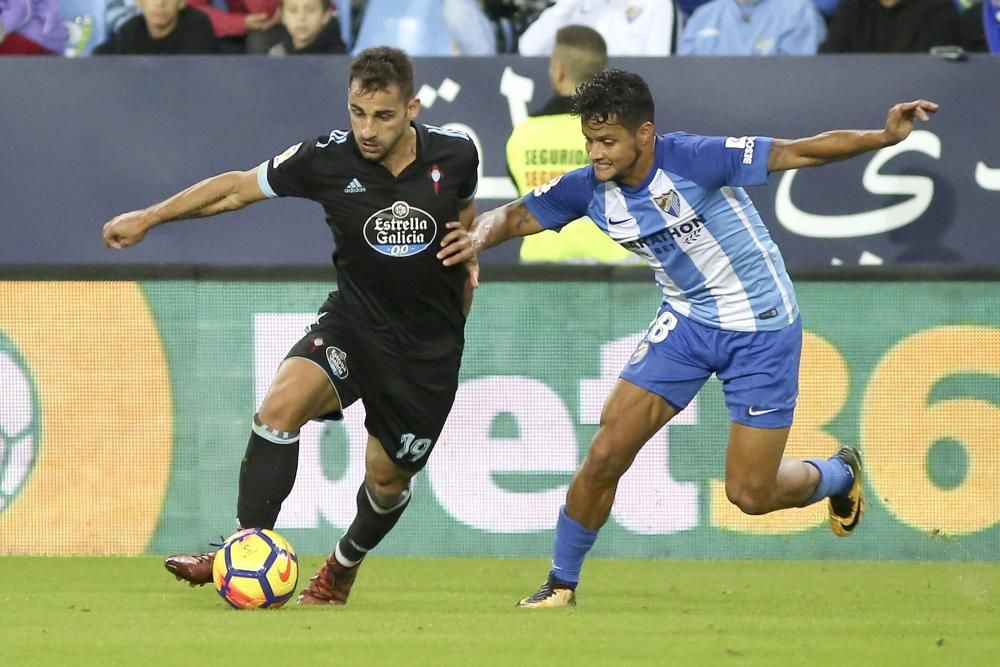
[314, 495]
[986, 177]
[464, 464]
[649, 500]
[490, 187]
[921, 189]
[463, 471]
[518, 90]
[17, 442]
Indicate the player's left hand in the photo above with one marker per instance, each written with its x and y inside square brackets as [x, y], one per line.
[902, 116]
[126, 229]
[457, 247]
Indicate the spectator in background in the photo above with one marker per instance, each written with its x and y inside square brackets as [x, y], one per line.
[31, 28]
[307, 27]
[687, 7]
[892, 26]
[427, 27]
[165, 27]
[629, 27]
[469, 27]
[972, 25]
[753, 28]
[991, 24]
[248, 26]
[549, 143]
[825, 7]
[118, 12]
[510, 18]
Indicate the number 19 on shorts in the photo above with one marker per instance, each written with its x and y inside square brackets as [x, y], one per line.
[412, 446]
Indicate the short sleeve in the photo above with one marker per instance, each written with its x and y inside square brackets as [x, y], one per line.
[470, 169]
[713, 162]
[288, 174]
[563, 199]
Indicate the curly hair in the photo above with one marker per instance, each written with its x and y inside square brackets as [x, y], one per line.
[614, 94]
[378, 68]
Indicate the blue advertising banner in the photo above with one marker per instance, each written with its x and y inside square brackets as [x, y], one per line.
[84, 140]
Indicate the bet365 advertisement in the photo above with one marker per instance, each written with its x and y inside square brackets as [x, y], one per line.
[125, 409]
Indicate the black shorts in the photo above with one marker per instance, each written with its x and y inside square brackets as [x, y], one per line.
[406, 400]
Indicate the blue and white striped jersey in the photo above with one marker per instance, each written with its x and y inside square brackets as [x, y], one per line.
[711, 254]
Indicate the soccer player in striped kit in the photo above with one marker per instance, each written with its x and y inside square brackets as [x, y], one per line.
[729, 308]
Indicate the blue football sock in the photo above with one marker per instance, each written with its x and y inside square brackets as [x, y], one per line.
[835, 478]
[572, 542]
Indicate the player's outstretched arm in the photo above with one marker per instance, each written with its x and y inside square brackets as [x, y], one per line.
[226, 192]
[843, 144]
[488, 229]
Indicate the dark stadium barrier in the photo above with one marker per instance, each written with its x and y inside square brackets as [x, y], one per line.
[86, 139]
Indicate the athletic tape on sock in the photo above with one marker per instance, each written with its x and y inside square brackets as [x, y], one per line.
[272, 434]
[342, 559]
[404, 498]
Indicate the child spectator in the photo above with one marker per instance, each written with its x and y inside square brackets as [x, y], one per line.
[307, 27]
[164, 27]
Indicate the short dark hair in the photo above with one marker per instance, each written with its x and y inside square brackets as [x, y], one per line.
[583, 51]
[378, 68]
[325, 4]
[617, 93]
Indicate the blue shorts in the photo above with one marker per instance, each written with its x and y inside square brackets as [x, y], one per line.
[759, 369]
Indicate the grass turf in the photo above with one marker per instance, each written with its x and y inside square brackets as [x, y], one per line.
[129, 611]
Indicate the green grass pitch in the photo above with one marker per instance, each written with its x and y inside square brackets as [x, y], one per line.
[129, 611]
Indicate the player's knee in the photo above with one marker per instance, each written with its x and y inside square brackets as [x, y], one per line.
[751, 499]
[605, 462]
[387, 491]
[280, 410]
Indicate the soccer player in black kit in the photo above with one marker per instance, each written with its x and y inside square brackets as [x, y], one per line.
[392, 334]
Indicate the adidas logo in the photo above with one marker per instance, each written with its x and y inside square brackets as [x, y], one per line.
[354, 186]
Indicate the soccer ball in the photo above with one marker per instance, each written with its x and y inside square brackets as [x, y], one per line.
[256, 568]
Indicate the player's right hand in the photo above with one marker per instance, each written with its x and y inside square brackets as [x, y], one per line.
[126, 229]
[457, 247]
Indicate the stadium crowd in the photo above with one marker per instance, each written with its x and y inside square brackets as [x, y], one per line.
[490, 27]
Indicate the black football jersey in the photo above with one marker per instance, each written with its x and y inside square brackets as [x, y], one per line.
[387, 230]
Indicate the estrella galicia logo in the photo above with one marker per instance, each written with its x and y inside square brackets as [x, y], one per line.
[337, 359]
[19, 410]
[400, 230]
